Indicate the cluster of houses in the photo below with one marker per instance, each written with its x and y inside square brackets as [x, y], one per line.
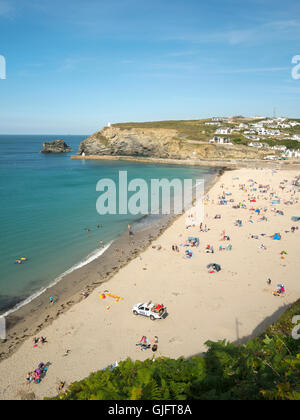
[286, 153]
[253, 131]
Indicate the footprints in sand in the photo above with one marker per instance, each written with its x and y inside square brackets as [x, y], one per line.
[175, 340]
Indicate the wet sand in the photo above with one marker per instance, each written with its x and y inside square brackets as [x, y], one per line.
[30, 319]
[234, 304]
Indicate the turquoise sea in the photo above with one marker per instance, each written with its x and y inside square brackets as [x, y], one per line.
[48, 202]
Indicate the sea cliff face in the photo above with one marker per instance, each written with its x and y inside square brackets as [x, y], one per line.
[157, 143]
[57, 146]
[132, 142]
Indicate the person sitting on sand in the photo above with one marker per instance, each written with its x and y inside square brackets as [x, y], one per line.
[61, 386]
[143, 340]
[144, 343]
[37, 377]
[29, 377]
[52, 300]
[42, 366]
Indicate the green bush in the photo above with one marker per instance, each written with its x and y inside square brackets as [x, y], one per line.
[266, 368]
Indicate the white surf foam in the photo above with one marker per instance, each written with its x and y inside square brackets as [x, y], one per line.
[91, 257]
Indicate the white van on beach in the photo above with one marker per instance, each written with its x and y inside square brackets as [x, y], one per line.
[153, 311]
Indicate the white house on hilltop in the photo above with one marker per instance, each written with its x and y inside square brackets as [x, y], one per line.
[256, 145]
[280, 148]
[213, 123]
[243, 125]
[221, 140]
[274, 132]
[264, 132]
[255, 138]
[219, 119]
[224, 130]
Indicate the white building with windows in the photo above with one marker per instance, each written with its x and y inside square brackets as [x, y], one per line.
[273, 132]
[284, 125]
[219, 119]
[213, 123]
[255, 138]
[256, 145]
[221, 140]
[279, 148]
[224, 130]
[243, 125]
[262, 131]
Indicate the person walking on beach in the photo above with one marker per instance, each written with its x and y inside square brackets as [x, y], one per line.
[130, 233]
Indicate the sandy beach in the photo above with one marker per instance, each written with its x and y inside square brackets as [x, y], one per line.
[234, 304]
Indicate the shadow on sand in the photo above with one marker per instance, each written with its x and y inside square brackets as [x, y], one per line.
[257, 331]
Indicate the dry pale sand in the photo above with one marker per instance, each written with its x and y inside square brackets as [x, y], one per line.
[232, 304]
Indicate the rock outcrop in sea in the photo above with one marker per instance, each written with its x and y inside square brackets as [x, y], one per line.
[57, 146]
[157, 143]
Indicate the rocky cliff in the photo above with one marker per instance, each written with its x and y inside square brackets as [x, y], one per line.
[158, 143]
[57, 146]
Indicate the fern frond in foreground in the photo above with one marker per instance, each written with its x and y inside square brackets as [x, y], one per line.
[267, 367]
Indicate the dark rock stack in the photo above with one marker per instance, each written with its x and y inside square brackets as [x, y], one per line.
[57, 146]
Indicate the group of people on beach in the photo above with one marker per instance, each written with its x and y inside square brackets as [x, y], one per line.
[254, 211]
[145, 344]
[254, 193]
[38, 374]
[39, 340]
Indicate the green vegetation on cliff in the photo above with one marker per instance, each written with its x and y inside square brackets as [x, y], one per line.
[266, 368]
[189, 129]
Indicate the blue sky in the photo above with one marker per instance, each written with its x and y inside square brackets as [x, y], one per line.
[74, 65]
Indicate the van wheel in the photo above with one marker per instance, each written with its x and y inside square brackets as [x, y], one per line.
[135, 313]
[152, 318]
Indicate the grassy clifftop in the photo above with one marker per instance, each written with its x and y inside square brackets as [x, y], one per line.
[163, 139]
[199, 131]
[189, 129]
[266, 368]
